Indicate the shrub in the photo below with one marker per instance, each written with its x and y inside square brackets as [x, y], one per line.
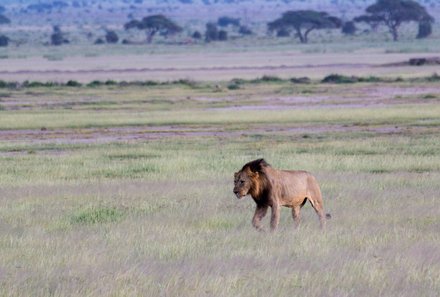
[95, 83]
[433, 78]
[111, 37]
[73, 83]
[197, 35]
[425, 29]
[222, 35]
[300, 80]
[233, 86]
[211, 33]
[4, 40]
[339, 79]
[349, 28]
[99, 41]
[57, 37]
[271, 78]
[110, 83]
[245, 30]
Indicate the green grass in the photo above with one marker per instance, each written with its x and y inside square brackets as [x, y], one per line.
[132, 195]
[97, 216]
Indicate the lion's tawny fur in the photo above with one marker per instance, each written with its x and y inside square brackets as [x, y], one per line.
[270, 187]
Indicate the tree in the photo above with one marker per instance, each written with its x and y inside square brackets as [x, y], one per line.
[154, 24]
[303, 22]
[393, 13]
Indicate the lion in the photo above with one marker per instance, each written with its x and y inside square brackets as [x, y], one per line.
[270, 187]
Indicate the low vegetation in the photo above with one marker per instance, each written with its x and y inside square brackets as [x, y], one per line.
[128, 191]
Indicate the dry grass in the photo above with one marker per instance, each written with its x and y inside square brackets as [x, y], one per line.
[157, 217]
[205, 64]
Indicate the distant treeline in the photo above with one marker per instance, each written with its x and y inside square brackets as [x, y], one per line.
[390, 14]
[232, 84]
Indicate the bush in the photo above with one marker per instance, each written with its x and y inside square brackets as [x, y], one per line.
[197, 35]
[245, 30]
[4, 20]
[233, 86]
[4, 40]
[433, 78]
[270, 78]
[111, 37]
[57, 39]
[425, 29]
[349, 28]
[95, 83]
[110, 83]
[339, 79]
[99, 41]
[300, 80]
[222, 35]
[73, 83]
[211, 33]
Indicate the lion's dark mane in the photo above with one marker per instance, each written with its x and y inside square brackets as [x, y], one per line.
[256, 165]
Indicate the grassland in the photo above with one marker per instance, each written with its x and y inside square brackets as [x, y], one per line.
[246, 58]
[127, 191]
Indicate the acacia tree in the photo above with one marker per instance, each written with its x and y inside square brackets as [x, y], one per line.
[303, 22]
[154, 24]
[393, 13]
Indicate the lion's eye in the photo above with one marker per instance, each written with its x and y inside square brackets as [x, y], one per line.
[242, 182]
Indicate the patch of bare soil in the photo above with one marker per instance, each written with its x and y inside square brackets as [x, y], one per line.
[140, 134]
[347, 97]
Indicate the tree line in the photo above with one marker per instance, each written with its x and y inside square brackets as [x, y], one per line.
[391, 14]
[300, 23]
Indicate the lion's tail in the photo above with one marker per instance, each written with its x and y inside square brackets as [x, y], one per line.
[328, 216]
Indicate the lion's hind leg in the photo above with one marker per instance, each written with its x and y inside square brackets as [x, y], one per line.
[319, 209]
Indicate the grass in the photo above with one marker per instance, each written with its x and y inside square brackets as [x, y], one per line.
[128, 191]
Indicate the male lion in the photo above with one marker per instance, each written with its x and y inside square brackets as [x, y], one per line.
[275, 188]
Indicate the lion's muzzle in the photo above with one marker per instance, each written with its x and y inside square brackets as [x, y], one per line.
[238, 194]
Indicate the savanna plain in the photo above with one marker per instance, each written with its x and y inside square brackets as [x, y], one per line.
[126, 190]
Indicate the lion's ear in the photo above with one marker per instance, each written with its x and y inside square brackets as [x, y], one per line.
[252, 174]
[235, 174]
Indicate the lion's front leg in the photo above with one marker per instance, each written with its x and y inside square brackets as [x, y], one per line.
[260, 212]
[275, 218]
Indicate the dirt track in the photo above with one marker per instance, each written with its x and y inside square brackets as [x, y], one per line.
[208, 67]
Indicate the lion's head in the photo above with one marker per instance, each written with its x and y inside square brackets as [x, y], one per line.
[247, 179]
